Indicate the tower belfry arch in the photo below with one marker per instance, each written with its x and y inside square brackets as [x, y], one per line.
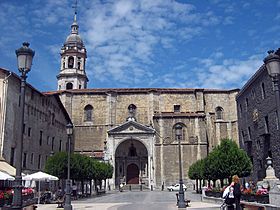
[130, 149]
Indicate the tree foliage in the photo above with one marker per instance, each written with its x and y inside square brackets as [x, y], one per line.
[225, 160]
[82, 167]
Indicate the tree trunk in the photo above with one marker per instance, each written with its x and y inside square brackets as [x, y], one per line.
[83, 189]
[196, 183]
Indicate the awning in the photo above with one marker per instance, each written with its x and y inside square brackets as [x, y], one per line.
[6, 167]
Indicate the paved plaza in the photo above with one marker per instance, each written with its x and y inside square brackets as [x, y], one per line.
[136, 200]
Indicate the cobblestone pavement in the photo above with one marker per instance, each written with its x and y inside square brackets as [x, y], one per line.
[135, 200]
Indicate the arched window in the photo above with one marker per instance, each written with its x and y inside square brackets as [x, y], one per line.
[79, 65]
[70, 62]
[179, 131]
[88, 113]
[219, 113]
[69, 86]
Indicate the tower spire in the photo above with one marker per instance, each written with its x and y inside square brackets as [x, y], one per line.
[75, 25]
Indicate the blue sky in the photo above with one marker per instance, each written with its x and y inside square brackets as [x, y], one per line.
[144, 43]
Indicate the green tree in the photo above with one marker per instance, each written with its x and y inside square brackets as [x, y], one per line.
[233, 160]
[56, 165]
[196, 171]
[224, 161]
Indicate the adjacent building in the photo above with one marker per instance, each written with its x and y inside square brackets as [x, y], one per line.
[45, 119]
[258, 122]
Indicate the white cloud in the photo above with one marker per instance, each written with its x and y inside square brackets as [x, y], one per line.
[227, 72]
[134, 32]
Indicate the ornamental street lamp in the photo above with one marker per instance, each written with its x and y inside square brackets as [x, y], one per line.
[24, 60]
[181, 198]
[69, 131]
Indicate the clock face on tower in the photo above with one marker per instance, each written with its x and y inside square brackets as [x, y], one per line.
[255, 115]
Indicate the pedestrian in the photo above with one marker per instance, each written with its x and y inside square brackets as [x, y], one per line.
[74, 191]
[236, 191]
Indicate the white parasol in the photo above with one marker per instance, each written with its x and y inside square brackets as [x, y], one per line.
[40, 176]
[5, 176]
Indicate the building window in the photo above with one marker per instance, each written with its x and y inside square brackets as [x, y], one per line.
[266, 125]
[32, 94]
[88, 113]
[263, 91]
[24, 160]
[53, 143]
[80, 86]
[41, 138]
[79, 65]
[253, 93]
[53, 118]
[242, 137]
[70, 62]
[179, 131]
[249, 134]
[246, 104]
[260, 164]
[258, 144]
[39, 162]
[60, 146]
[69, 86]
[277, 120]
[219, 113]
[240, 110]
[12, 157]
[177, 108]
[29, 132]
[53, 139]
[32, 158]
[23, 130]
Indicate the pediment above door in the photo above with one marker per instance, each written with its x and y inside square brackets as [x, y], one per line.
[131, 127]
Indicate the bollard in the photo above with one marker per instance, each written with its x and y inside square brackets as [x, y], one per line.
[177, 196]
[129, 187]
[152, 188]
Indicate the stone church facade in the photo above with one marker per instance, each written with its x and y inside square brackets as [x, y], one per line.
[134, 128]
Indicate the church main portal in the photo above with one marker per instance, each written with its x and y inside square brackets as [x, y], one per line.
[131, 163]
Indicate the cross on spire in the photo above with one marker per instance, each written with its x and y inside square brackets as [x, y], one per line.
[75, 6]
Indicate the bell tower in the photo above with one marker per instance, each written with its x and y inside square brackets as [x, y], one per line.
[73, 54]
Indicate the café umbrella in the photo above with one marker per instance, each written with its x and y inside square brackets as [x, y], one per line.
[5, 176]
[40, 176]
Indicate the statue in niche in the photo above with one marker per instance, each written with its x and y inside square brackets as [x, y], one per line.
[132, 151]
[131, 112]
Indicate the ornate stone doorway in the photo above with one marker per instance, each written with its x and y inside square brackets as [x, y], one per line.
[131, 163]
[132, 174]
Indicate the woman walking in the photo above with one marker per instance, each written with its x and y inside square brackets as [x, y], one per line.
[236, 191]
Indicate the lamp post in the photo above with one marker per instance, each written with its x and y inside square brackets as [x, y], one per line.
[181, 198]
[24, 61]
[69, 131]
